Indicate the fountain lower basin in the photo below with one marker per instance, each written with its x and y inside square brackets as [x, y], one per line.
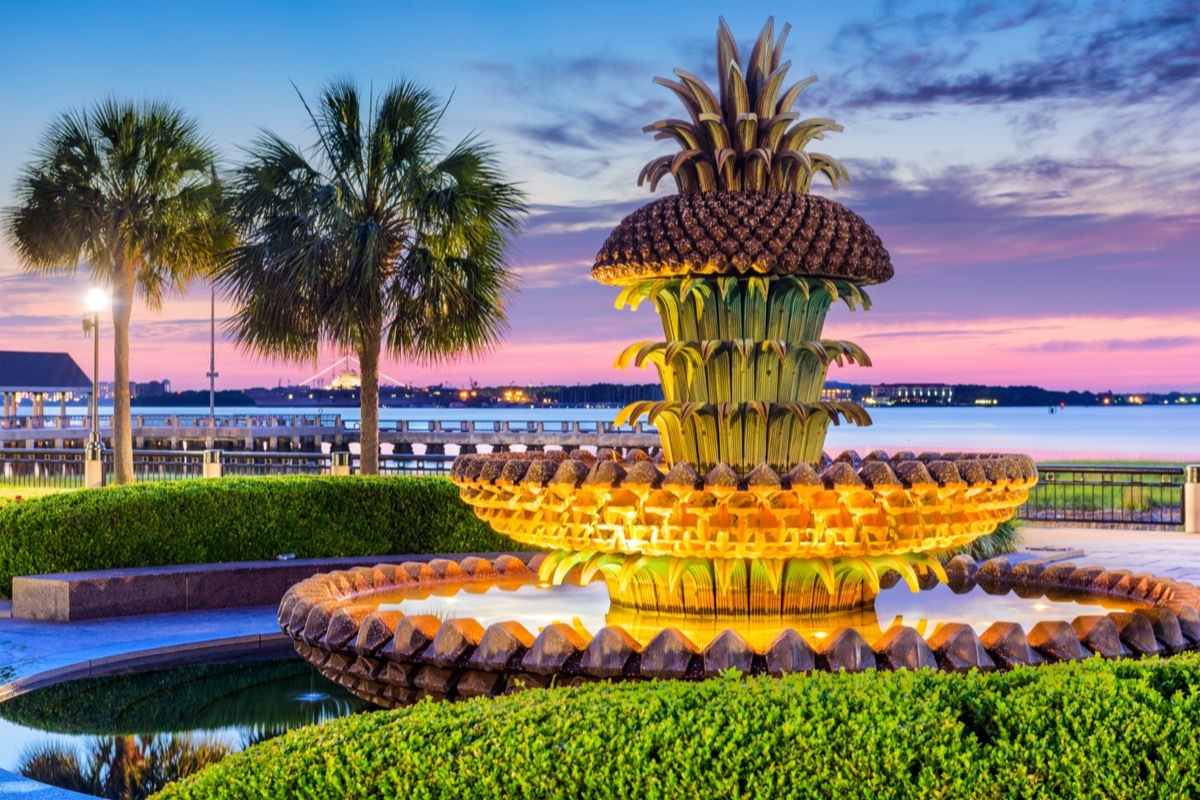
[467, 628]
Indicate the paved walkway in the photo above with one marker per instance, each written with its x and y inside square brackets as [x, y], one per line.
[1165, 553]
[35, 653]
[29, 649]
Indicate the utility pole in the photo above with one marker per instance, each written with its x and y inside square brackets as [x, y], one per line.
[212, 361]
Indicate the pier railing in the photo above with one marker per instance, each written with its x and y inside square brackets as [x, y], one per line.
[1111, 495]
[81, 422]
[292, 432]
[552, 426]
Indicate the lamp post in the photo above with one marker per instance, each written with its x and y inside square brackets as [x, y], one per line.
[212, 373]
[93, 464]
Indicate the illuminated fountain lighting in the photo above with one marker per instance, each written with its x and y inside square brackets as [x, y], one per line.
[744, 515]
[741, 544]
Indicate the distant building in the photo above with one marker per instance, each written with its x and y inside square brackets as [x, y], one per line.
[149, 389]
[836, 391]
[912, 394]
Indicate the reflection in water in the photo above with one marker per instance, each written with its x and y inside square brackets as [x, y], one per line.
[128, 735]
[588, 609]
[245, 695]
[122, 767]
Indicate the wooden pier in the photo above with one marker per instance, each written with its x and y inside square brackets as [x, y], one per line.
[308, 432]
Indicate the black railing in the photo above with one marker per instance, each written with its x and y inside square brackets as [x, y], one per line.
[63, 469]
[1106, 494]
[250, 463]
[1102, 494]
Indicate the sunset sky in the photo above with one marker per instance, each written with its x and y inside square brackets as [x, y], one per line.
[1033, 168]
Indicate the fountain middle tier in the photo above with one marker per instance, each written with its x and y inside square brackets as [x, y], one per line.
[763, 544]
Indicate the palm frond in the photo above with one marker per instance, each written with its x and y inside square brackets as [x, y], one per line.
[380, 237]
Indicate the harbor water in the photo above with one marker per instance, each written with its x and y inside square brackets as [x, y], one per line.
[1168, 433]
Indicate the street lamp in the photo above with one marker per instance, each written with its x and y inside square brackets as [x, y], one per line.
[93, 465]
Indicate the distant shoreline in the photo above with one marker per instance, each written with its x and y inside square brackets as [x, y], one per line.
[308, 406]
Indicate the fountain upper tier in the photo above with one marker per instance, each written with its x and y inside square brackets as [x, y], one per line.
[905, 504]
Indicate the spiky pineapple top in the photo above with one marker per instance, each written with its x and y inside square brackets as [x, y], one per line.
[747, 138]
[743, 207]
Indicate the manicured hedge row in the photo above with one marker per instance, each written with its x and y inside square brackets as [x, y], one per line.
[1094, 729]
[237, 519]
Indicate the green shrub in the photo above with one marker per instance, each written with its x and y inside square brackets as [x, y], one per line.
[237, 519]
[1002, 541]
[1093, 729]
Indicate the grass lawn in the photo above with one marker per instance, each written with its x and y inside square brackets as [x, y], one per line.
[15, 494]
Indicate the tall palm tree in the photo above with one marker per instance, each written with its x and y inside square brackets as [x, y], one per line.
[381, 239]
[126, 192]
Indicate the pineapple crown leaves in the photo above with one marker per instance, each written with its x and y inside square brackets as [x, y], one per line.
[748, 138]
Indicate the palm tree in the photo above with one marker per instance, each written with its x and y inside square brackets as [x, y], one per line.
[381, 239]
[128, 193]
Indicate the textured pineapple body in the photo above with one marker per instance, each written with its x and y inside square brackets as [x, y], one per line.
[743, 234]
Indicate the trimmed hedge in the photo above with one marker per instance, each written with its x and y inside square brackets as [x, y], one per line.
[237, 519]
[1128, 729]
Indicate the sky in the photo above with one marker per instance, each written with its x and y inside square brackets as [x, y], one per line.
[1032, 167]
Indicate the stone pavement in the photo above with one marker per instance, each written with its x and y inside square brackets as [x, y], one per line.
[37, 653]
[1168, 554]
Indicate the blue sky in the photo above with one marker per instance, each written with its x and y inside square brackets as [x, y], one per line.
[1033, 167]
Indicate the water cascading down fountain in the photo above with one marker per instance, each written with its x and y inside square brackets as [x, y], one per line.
[741, 543]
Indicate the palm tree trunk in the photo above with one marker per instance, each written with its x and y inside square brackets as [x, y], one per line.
[368, 361]
[122, 306]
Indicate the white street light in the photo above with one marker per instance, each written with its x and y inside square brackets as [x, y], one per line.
[93, 465]
[97, 300]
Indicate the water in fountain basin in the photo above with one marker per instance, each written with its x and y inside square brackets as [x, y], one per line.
[536, 605]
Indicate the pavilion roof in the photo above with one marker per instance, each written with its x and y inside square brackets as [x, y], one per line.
[40, 372]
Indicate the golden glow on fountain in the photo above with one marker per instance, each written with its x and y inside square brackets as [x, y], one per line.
[667, 545]
[744, 514]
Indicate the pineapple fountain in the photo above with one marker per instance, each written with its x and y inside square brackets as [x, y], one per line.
[741, 542]
[744, 514]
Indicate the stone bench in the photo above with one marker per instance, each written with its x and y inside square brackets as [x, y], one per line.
[98, 594]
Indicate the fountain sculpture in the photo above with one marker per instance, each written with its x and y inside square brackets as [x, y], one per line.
[742, 534]
[742, 265]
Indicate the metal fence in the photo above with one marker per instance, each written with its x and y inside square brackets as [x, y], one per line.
[1107, 494]
[82, 422]
[1102, 494]
[63, 469]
